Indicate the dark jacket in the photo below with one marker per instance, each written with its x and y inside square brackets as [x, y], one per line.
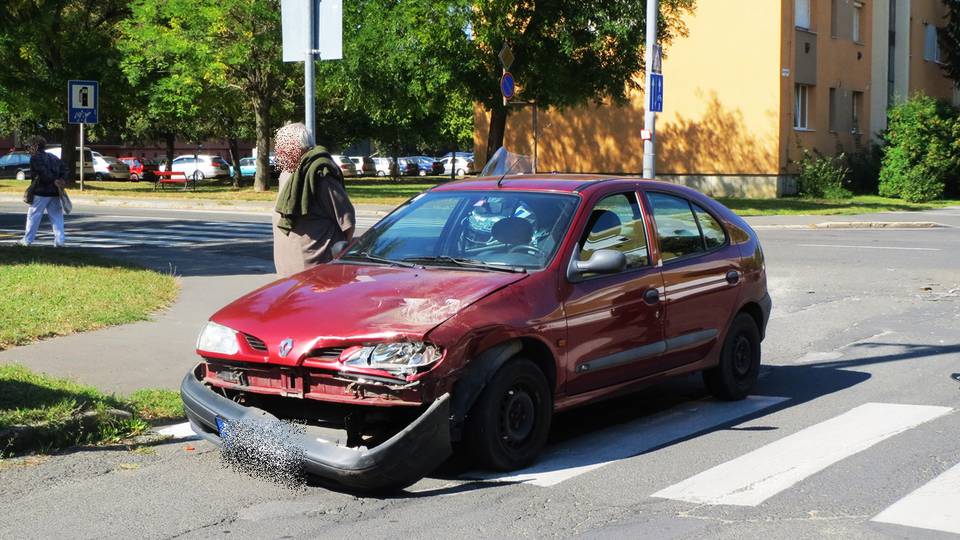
[303, 190]
[45, 169]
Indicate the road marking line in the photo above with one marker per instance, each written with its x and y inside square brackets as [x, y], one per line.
[592, 451]
[755, 477]
[934, 505]
[868, 247]
[179, 432]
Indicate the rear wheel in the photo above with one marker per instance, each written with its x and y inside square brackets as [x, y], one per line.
[100, 176]
[134, 177]
[461, 172]
[509, 424]
[21, 175]
[736, 374]
[198, 176]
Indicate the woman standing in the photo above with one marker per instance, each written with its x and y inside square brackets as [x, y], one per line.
[313, 211]
[47, 177]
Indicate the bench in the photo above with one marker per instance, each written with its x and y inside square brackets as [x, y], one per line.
[173, 177]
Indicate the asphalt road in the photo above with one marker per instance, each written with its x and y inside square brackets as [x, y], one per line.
[852, 433]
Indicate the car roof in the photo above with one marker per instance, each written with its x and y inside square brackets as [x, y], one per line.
[563, 183]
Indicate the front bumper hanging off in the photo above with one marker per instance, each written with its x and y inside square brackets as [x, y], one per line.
[402, 460]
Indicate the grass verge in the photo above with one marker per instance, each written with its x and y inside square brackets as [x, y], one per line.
[39, 413]
[862, 204]
[47, 292]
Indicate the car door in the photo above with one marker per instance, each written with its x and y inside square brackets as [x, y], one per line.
[614, 321]
[701, 273]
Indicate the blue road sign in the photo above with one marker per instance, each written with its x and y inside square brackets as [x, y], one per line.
[83, 101]
[656, 92]
[507, 85]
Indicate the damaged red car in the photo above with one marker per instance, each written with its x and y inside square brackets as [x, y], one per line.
[476, 311]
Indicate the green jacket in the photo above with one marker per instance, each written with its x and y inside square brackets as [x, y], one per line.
[302, 188]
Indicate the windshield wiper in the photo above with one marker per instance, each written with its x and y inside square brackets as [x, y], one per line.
[467, 263]
[373, 258]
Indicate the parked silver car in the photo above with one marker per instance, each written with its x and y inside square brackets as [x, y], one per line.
[109, 168]
[463, 165]
[200, 166]
[347, 166]
[365, 165]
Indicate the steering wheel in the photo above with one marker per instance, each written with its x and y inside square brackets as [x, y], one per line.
[526, 248]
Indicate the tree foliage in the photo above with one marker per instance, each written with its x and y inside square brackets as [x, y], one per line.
[950, 41]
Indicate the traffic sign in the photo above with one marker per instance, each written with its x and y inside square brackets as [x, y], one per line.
[83, 99]
[321, 34]
[506, 56]
[507, 85]
[656, 92]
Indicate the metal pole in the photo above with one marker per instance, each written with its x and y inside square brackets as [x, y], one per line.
[535, 136]
[81, 156]
[309, 86]
[650, 117]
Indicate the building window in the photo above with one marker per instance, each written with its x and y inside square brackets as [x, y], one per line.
[931, 43]
[802, 14]
[833, 109]
[857, 108]
[801, 106]
[857, 13]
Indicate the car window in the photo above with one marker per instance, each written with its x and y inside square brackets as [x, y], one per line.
[677, 228]
[713, 233]
[616, 222]
[6, 160]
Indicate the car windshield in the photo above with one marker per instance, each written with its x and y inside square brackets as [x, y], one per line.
[492, 230]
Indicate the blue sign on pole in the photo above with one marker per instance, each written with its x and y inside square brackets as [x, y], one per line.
[656, 92]
[507, 85]
[83, 100]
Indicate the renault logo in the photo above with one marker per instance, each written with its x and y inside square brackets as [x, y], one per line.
[285, 347]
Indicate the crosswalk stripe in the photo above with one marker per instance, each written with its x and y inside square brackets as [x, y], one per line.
[935, 505]
[584, 454]
[755, 477]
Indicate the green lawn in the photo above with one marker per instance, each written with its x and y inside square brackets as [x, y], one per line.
[58, 413]
[862, 204]
[48, 292]
[370, 191]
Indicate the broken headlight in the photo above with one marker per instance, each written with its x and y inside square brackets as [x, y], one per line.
[219, 339]
[402, 357]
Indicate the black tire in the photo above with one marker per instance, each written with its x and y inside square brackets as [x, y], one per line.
[198, 176]
[509, 424]
[461, 172]
[98, 176]
[134, 177]
[736, 374]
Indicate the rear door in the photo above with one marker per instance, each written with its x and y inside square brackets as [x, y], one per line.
[701, 272]
[614, 321]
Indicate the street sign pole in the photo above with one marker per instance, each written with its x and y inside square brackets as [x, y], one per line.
[650, 117]
[83, 106]
[309, 79]
[81, 156]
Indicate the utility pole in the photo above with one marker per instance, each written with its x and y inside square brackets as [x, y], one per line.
[650, 117]
[309, 79]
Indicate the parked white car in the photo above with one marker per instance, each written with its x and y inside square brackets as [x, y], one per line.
[463, 166]
[200, 167]
[88, 170]
[384, 166]
[108, 168]
[365, 165]
[347, 166]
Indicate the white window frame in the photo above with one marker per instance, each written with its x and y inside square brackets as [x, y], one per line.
[802, 14]
[801, 107]
[857, 20]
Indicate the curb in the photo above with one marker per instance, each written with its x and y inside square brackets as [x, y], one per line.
[859, 225]
[28, 438]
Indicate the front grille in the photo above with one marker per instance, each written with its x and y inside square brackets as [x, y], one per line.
[255, 343]
[330, 353]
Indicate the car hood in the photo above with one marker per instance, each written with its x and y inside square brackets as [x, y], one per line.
[336, 304]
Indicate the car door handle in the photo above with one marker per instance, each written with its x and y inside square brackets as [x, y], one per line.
[733, 277]
[651, 296]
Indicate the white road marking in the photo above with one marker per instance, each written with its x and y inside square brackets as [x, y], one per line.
[592, 451]
[179, 432]
[755, 477]
[868, 247]
[935, 505]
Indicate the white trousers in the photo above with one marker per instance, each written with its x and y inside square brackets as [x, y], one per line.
[35, 215]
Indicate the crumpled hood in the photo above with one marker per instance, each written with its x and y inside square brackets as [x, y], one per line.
[337, 303]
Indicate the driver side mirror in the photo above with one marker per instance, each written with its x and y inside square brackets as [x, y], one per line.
[603, 261]
[338, 248]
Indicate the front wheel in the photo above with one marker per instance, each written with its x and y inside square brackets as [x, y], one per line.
[198, 176]
[461, 172]
[509, 424]
[134, 177]
[736, 374]
[21, 175]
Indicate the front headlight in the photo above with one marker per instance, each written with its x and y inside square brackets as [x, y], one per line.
[402, 357]
[219, 339]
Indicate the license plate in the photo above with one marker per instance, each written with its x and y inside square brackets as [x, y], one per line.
[221, 425]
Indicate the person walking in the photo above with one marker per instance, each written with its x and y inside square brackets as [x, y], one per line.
[47, 176]
[313, 211]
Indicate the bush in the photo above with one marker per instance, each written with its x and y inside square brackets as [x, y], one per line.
[823, 177]
[921, 161]
[864, 166]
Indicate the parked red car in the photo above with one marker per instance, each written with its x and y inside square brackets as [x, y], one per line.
[139, 169]
[477, 310]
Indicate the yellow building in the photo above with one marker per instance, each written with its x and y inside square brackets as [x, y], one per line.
[754, 83]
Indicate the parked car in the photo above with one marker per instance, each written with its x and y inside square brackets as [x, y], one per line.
[427, 165]
[16, 164]
[200, 166]
[385, 166]
[88, 170]
[347, 166]
[476, 311]
[408, 166]
[463, 165]
[365, 165]
[139, 168]
[248, 167]
[109, 168]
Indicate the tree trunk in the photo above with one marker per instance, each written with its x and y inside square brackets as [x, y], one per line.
[235, 159]
[68, 151]
[395, 171]
[498, 125]
[261, 111]
[453, 163]
[170, 139]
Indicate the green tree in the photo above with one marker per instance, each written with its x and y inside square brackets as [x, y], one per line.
[950, 41]
[567, 52]
[45, 43]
